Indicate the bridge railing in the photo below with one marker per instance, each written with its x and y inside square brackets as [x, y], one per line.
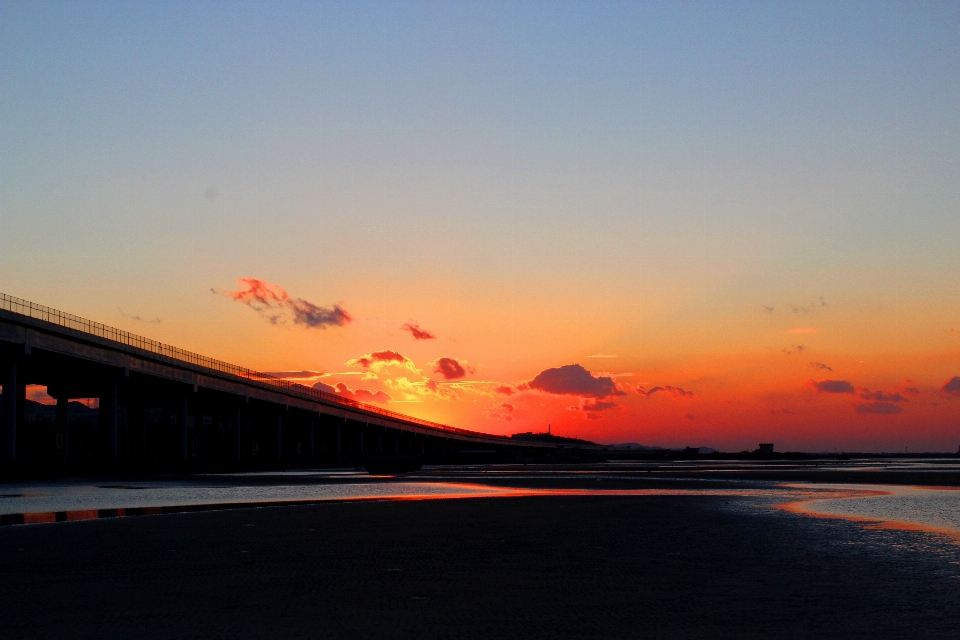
[70, 321]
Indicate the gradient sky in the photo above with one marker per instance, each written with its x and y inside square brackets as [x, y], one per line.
[752, 209]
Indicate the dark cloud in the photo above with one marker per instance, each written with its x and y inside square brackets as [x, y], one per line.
[273, 302]
[417, 332]
[505, 390]
[878, 408]
[952, 387]
[794, 348]
[880, 396]
[574, 380]
[310, 315]
[831, 386]
[507, 406]
[673, 392]
[386, 356]
[769, 309]
[451, 368]
[819, 366]
[363, 395]
[689, 416]
[599, 405]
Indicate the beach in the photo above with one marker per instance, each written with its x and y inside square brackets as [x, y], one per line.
[532, 567]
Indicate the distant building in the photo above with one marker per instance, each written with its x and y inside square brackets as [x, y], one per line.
[765, 448]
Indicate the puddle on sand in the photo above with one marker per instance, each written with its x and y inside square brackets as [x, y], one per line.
[909, 508]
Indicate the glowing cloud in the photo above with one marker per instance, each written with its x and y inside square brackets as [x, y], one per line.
[504, 390]
[417, 332]
[363, 395]
[273, 302]
[385, 357]
[831, 386]
[574, 380]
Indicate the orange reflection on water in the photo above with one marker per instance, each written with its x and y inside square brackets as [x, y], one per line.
[814, 507]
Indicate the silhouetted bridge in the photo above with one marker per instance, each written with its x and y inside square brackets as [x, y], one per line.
[161, 407]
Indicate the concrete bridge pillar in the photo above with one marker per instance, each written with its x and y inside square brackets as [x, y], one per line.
[396, 443]
[313, 438]
[361, 441]
[11, 393]
[279, 436]
[63, 422]
[184, 432]
[108, 407]
[338, 440]
[237, 430]
[379, 442]
[423, 447]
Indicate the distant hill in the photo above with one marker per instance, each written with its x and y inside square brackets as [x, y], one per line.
[549, 437]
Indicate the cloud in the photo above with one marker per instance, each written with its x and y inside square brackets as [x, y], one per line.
[819, 366]
[831, 386]
[951, 387]
[363, 395]
[137, 318]
[804, 330]
[505, 414]
[504, 390]
[880, 396]
[688, 416]
[293, 375]
[451, 368]
[323, 386]
[673, 392]
[385, 357]
[798, 348]
[418, 333]
[769, 309]
[574, 380]
[599, 405]
[274, 303]
[878, 408]
[603, 355]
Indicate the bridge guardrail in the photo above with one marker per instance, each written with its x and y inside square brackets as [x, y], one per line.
[70, 321]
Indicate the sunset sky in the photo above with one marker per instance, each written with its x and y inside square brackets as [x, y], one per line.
[681, 223]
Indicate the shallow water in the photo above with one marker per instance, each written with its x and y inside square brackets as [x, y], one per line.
[898, 506]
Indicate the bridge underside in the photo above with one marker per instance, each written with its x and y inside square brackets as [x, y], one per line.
[154, 415]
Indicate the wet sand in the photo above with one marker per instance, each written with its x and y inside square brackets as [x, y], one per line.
[532, 567]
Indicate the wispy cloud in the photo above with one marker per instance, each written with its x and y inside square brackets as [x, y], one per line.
[137, 318]
[819, 366]
[274, 303]
[293, 375]
[603, 355]
[673, 392]
[417, 332]
[881, 396]
[878, 408]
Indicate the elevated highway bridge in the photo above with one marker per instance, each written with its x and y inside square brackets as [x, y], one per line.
[162, 407]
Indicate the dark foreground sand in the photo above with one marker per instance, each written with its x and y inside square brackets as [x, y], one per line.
[535, 567]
